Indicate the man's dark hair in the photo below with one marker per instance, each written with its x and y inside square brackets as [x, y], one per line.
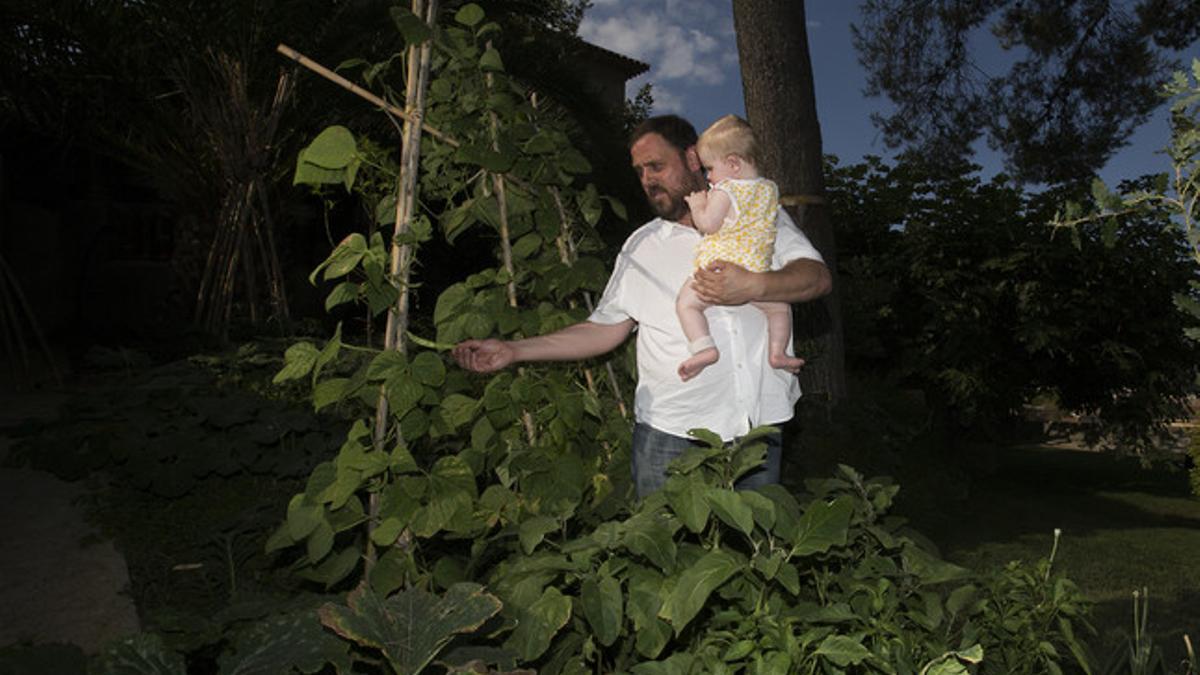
[673, 128]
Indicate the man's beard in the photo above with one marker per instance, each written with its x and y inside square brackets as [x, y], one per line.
[669, 204]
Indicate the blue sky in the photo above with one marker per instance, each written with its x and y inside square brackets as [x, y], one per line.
[691, 48]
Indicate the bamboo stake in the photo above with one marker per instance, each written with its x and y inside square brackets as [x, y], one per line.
[359, 91]
[397, 322]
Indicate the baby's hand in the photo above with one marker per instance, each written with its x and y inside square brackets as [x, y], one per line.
[697, 200]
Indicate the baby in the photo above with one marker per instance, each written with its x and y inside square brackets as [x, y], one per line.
[737, 218]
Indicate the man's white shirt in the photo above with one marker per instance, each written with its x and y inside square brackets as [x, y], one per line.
[737, 392]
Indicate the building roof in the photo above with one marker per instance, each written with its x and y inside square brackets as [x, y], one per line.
[629, 67]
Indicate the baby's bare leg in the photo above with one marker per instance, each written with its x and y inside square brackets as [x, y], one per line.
[779, 335]
[690, 309]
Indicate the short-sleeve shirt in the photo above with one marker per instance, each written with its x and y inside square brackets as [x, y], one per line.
[737, 392]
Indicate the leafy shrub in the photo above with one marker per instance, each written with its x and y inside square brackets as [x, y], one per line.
[959, 289]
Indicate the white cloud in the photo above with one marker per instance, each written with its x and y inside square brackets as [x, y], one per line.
[675, 50]
[667, 101]
[690, 45]
[622, 34]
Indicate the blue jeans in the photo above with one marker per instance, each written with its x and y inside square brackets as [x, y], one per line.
[653, 450]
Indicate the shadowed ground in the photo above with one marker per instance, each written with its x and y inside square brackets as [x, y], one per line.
[59, 580]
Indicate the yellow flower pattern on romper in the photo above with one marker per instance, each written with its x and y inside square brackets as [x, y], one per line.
[747, 237]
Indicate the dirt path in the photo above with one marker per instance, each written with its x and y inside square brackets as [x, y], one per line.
[59, 580]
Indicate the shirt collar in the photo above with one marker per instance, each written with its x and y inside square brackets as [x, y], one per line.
[667, 228]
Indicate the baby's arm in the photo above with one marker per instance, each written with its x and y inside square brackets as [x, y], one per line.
[709, 209]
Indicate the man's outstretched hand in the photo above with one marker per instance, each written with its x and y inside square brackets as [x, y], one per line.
[484, 356]
[726, 283]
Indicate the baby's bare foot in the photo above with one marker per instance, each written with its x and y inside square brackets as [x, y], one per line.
[698, 362]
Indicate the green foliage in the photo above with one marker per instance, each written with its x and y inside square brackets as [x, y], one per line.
[1172, 196]
[1065, 58]
[449, 432]
[167, 431]
[1174, 193]
[1139, 656]
[703, 578]
[1028, 619]
[958, 289]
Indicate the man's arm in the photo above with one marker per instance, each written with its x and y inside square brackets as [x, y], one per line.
[800, 280]
[579, 341]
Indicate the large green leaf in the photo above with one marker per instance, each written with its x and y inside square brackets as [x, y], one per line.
[403, 393]
[695, 585]
[302, 517]
[451, 302]
[491, 60]
[603, 607]
[386, 365]
[645, 600]
[843, 650]
[428, 369]
[731, 509]
[650, 537]
[411, 27]
[823, 526]
[458, 410]
[333, 148]
[441, 509]
[539, 623]
[298, 361]
[345, 257]
[469, 15]
[411, 627]
[762, 508]
[687, 496]
[328, 392]
[533, 530]
[283, 643]
[320, 541]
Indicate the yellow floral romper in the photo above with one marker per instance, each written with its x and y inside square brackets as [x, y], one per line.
[747, 237]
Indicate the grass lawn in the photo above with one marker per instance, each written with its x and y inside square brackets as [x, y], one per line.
[1124, 527]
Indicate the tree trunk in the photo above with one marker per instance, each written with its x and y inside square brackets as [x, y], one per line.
[781, 106]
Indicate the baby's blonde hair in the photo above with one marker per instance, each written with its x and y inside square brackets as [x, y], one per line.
[730, 135]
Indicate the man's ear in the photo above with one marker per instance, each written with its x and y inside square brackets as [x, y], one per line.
[692, 158]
